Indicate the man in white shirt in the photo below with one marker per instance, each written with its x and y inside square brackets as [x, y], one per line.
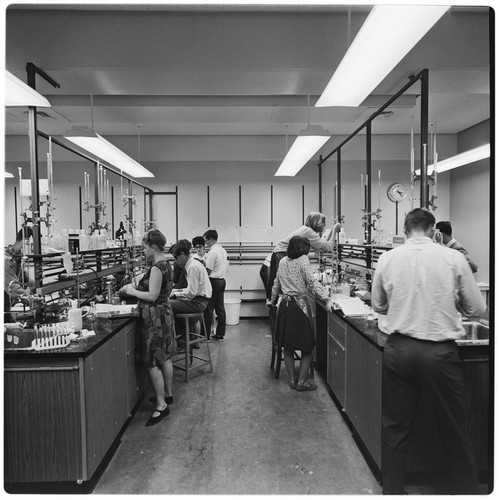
[420, 287]
[217, 265]
[195, 297]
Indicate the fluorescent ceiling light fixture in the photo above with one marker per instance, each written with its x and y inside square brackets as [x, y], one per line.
[8, 175]
[476, 154]
[18, 93]
[387, 35]
[308, 142]
[98, 146]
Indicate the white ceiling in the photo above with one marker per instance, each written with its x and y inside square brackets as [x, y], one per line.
[230, 71]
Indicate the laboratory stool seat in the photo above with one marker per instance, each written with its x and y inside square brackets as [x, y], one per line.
[186, 342]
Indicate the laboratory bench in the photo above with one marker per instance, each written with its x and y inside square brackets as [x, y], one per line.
[65, 409]
[349, 359]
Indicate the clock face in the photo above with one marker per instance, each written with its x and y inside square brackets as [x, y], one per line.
[397, 192]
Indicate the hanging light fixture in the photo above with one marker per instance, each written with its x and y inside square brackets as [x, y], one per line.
[95, 144]
[308, 142]
[18, 93]
[471, 156]
[387, 35]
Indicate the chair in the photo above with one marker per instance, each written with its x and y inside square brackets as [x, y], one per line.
[185, 363]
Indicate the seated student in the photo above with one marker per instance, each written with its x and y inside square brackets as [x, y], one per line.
[179, 273]
[194, 298]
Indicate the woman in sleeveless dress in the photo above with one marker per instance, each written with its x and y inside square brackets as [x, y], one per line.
[156, 325]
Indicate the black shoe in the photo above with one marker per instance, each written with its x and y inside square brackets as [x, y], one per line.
[161, 416]
[168, 400]
[217, 338]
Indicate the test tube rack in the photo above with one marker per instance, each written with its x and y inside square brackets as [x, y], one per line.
[51, 336]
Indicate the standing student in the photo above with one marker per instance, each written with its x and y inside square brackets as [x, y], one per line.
[217, 265]
[199, 249]
[157, 334]
[264, 274]
[312, 230]
[293, 325]
[448, 240]
[420, 287]
[13, 274]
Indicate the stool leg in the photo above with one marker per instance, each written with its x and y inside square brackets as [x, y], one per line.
[187, 348]
[207, 342]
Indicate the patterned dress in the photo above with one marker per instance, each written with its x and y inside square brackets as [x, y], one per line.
[293, 327]
[157, 328]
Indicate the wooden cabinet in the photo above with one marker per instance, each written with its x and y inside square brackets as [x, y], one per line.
[42, 418]
[64, 411]
[105, 399]
[363, 391]
[137, 376]
[354, 374]
[336, 366]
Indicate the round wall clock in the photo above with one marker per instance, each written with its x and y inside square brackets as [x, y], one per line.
[397, 192]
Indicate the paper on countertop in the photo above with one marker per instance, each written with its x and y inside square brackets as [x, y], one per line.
[352, 306]
[118, 309]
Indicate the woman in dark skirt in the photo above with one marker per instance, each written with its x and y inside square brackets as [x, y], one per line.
[157, 330]
[294, 330]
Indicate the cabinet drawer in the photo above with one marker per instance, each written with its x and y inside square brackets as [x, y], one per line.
[337, 328]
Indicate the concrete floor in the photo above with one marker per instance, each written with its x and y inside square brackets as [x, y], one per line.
[240, 431]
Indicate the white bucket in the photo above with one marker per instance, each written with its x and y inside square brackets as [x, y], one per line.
[232, 311]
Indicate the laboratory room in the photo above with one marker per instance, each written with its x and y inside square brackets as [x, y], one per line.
[247, 249]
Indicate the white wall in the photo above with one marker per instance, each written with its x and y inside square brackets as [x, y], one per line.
[470, 203]
[462, 194]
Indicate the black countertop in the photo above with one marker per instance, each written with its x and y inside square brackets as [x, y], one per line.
[82, 347]
[379, 338]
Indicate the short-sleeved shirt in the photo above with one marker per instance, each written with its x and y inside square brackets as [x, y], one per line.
[216, 261]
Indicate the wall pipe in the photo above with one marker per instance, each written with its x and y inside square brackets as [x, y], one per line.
[424, 188]
[338, 180]
[369, 179]
[320, 183]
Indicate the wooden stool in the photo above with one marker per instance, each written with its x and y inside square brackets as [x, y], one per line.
[191, 338]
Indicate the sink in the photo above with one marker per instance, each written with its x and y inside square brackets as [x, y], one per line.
[476, 333]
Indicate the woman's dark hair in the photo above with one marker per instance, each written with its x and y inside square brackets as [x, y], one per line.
[197, 240]
[155, 237]
[418, 219]
[297, 247]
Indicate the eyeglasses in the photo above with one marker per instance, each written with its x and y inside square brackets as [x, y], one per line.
[199, 246]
